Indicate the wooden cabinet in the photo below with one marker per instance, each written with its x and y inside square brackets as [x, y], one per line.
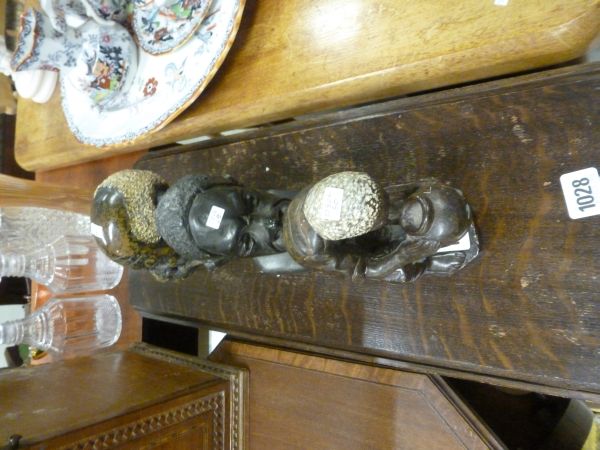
[139, 398]
[249, 395]
[246, 396]
[303, 401]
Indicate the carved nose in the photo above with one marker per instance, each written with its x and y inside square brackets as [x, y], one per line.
[258, 231]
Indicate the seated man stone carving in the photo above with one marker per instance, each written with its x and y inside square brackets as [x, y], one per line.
[345, 223]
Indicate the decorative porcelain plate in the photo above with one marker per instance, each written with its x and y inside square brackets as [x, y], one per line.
[160, 29]
[163, 87]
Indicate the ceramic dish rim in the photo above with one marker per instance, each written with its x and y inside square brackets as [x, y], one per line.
[171, 114]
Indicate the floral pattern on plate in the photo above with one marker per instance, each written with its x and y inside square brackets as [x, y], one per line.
[110, 9]
[99, 60]
[163, 85]
[161, 28]
[105, 74]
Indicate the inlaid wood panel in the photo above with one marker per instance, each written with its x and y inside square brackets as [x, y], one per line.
[295, 57]
[70, 395]
[141, 398]
[525, 310]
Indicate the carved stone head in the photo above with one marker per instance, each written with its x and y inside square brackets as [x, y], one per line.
[436, 212]
[201, 217]
[124, 225]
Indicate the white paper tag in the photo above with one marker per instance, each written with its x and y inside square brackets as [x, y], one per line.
[463, 244]
[214, 217]
[97, 231]
[331, 208]
[582, 192]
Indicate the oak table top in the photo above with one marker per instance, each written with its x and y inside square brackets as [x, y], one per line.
[525, 313]
[296, 57]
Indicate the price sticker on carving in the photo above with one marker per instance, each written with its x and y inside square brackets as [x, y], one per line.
[582, 192]
[331, 208]
[214, 217]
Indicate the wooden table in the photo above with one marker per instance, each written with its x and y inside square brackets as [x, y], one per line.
[524, 314]
[295, 57]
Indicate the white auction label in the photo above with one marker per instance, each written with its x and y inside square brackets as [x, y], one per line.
[463, 244]
[331, 207]
[582, 192]
[214, 217]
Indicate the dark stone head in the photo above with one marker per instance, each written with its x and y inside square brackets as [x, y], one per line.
[220, 219]
[124, 226]
[436, 212]
[234, 221]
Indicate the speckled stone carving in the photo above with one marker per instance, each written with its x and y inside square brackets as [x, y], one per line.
[169, 219]
[138, 188]
[342, 223]
[345, 205]
[123, 210]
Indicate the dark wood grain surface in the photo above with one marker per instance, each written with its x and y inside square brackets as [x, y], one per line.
[526, 310]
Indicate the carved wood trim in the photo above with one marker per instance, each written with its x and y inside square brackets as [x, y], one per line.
[214, 403]
[238, 381]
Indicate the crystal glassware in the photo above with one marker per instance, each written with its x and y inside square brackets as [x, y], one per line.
[70, 264]
[67, 326]
[24, 228]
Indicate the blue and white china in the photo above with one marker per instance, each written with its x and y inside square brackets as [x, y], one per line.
[97, 60]
[163, 85]
[74, 13]
[163, 25]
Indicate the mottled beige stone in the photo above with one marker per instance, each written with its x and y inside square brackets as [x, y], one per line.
[363, 205]
[137, 188]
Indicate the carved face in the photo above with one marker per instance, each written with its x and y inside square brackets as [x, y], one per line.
[437, 212]
[237, 222]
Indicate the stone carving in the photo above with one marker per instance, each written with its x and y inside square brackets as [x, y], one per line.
[345, 223]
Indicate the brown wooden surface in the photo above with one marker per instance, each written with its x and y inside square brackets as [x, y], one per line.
[298, 56]
[236, 433]
[300, 401]
[8, 163]
[108, 399]
[21, 192]
[84, 178]
[525, 310]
